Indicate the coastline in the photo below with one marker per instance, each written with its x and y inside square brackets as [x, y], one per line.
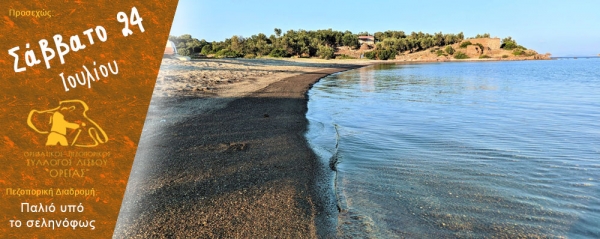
[230, 162]
[223, 152]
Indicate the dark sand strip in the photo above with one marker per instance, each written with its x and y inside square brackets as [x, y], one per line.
[242, 171]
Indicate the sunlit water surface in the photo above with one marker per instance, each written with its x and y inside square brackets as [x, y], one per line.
[483, 149]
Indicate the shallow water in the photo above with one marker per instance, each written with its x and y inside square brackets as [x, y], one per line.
[482, 149]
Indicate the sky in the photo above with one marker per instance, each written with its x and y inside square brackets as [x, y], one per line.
[559, 27]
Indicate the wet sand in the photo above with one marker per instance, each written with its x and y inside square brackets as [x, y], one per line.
[229, 159]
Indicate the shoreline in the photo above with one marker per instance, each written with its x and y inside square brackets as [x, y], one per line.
[235, 165]
[219, 152]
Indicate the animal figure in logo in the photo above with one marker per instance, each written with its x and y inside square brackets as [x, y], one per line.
[66, 123]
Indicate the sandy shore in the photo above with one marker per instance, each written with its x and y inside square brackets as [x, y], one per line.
[223, 155]
[234, 77]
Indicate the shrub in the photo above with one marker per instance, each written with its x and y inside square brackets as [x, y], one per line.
[278, 53]
[465, 44]
[371, 55]
[484, 57]
[386, 54]
[325, 52]
[381, 54]
[206, 50]
[504, 56]
[449, 50]
[509, 45]
[518, 52]
[183, 51]
[249, 56]
[227, 53]
[439, 52]
[460, 55]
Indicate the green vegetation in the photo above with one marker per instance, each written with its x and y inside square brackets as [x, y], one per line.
[278, 53]
[227, 53]
[504, 56]
[371, 55]
[325, 52]
[522, 52]
[386, 54]
[206, 49]
[324, 43]
[380, 54]
[485, 35]
[449, 50]
[350, 40]
[465, 44]
[319, 43]
[518, 52]
[484, 57]
[510, 44]
[460, 55]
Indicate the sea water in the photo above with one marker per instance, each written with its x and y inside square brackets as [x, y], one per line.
[462, 150]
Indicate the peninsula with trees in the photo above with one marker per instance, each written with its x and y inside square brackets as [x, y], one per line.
[331, 44]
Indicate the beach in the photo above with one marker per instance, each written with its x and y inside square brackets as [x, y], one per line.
[223, 153]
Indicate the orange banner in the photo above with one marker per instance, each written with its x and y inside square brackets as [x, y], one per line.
[77, 78]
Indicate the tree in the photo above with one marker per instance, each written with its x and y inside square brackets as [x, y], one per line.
[278, 53]
[509, 44]
[386, 54]
[439, 39]
[236, 43]
[207, 49]
[194, 45]
[183, 51]
[325, 52]
[277, 32]
[185, 37]
[450, 39]
[449, 50]
[379, 36]
[350, 40]
[485, 35]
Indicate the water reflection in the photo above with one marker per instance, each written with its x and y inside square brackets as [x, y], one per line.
[462, 150]
[367, 79]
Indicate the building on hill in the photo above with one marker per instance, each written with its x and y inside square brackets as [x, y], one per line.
[369, 40]
[474, 50]
[487, 43]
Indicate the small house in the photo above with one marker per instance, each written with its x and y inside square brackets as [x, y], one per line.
[369, 40]
[487, 43]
